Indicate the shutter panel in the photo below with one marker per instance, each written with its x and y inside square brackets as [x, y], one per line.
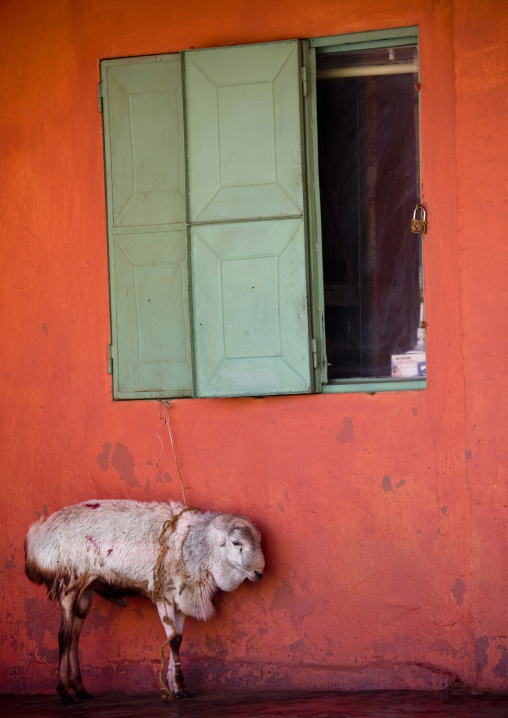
[143, 127]
[249, 278]
[250, 308]
[243, 123]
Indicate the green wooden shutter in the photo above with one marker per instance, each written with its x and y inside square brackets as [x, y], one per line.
[245, 210]
[144, 154]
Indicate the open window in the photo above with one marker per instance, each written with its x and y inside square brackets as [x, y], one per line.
[367, 116]
[259, 200]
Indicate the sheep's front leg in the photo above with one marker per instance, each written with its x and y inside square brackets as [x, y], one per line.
[174, 667]
[173, 621]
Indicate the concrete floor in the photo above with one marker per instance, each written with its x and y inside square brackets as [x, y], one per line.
[268, 704]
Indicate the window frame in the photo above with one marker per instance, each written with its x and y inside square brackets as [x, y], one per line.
[312, 222]
[369, 40]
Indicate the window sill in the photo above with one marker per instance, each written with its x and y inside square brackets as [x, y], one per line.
[373, 386]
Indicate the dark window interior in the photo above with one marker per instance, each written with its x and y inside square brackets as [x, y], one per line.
[367, 107]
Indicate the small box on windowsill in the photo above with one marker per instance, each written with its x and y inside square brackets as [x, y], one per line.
[412, 365]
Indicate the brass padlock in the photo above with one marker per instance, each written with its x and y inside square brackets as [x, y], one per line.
[419, 226]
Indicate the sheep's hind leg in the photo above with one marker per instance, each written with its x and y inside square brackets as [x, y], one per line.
[82, 608]
[68, 606]
[174, 630]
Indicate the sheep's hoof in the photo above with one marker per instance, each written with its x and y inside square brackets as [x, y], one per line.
[83, 696]
[182, 694]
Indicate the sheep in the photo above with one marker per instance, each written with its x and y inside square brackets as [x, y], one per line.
[174, 555]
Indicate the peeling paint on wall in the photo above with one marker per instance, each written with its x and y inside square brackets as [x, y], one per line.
[123, 463]
[45, 511]
[443, 647]
[297, 646]
[103, 459]
[285, 599]
[387, 483]
[458, 591]
[345, 435]
[481, 647]
[501, 668]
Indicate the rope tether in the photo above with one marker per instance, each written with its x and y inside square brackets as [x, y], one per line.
[165, 420]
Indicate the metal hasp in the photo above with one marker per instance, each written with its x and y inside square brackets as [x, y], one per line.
[419, 226]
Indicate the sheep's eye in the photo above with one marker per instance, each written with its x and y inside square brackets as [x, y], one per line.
[236, 543]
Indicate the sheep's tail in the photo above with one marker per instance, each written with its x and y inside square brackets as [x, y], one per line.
[33, 570]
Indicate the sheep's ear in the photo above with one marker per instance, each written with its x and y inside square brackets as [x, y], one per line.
[242, 531]
[218, 532]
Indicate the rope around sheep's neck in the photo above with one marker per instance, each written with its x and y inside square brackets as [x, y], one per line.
[169, 525]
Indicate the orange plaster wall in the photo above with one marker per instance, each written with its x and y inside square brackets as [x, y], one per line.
[384, 517]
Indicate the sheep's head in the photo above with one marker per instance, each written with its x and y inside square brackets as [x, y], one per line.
[239, 553]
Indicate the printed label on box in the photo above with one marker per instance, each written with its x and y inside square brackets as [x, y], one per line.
[409, 366]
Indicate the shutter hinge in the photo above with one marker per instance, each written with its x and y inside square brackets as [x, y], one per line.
[314, 352]
[304, 76]
[99, 96]
[110, 359]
